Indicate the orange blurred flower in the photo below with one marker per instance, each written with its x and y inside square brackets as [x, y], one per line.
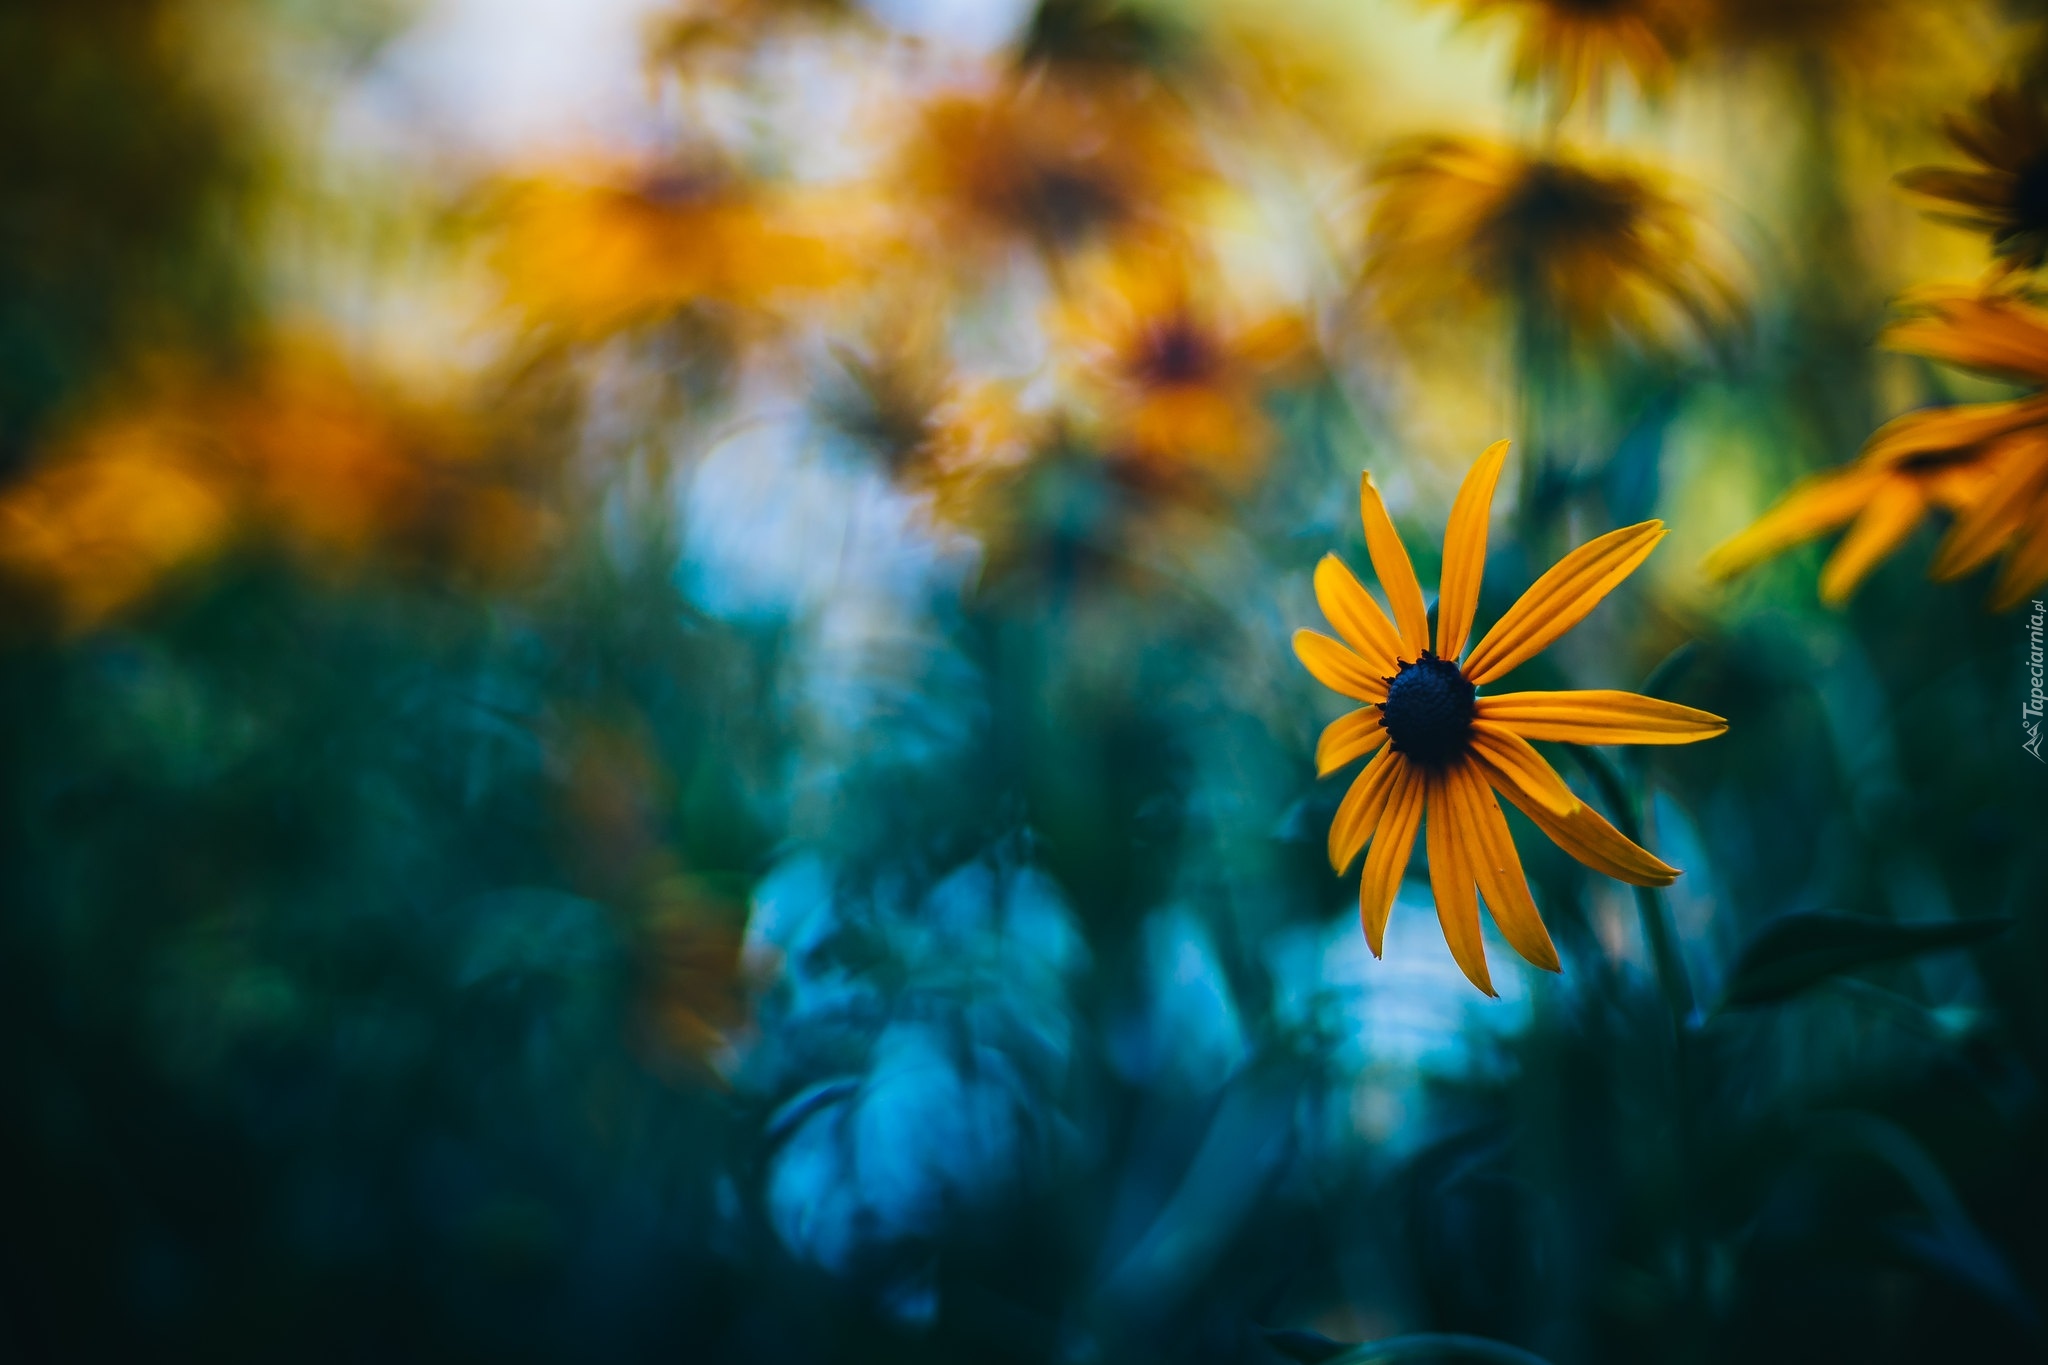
[293, 445]
[1575, 45]
[1048, 161]
[953, 436]
[94, 532]
[1178, 368]
[1592, 249]
[588, 257]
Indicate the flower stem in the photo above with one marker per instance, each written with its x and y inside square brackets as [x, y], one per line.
[1658, 930]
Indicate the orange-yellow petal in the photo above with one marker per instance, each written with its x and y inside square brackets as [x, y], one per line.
[1589, 838]
[1892, 513]
[1598, 717]
[1396, 574]
[1360, 810]
[1982, 333]
[1999, 511]
[1509, 759]
[1959, 426]
[1352, 735]
[1561, 599]
[1449, 840]
[1388, 858]
[1337, 668]
[1814, 507]
[1357, 616]
[1498, 868]
[2026, 568]
[1465, 553]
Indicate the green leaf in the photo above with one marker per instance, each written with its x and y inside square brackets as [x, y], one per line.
[1795, 952]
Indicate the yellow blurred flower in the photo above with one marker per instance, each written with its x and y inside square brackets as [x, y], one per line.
[1593, 250]
[1179, 368]
[293, 446]
[1574, 45]
[94, 532]
[1986, 463]
[1052, 162]
[2007, 196]
[1439, 748]
[588, 257]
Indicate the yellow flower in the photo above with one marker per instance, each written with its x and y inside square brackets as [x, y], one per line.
[292, 445]
[1598, 249]
[1054, 162]
[590, 257]
[2008, 196]
[1576, 43]
[97, 531]
[1987, 463]
[1179, 370]
[1440, 748]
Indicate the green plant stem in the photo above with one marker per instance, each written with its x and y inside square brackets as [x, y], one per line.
[1658, 930]
[1661, 934]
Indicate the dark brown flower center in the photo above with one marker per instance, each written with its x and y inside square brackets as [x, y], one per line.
[1173, 352]
[1428, 711]
[2030, 196]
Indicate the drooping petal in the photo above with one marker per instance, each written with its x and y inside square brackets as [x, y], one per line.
[1998, 511]
[1893, 511]
[1352, 735]
[1337, 668]
[1396, 574]
[1587, 836]
[1977, 188]
[1449, 840]
[1928, 431]
[1598, 717]
[1510, 759]
[1498, 868]
[1357, 616]
[1561, 599]
[1388, 858]
[1465, 553]
[2026, 568]
[1998, 335]
[1360, 810]
[1813, 508]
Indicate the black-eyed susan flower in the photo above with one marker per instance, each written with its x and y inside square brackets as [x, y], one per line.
[1179, 368]
[1575, 45]
[1593, 249]
[2007, 195]
[1440, 751]
[1052, 162]
[1985, 463]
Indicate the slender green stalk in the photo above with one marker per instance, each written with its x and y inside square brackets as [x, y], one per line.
[1658, 930]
